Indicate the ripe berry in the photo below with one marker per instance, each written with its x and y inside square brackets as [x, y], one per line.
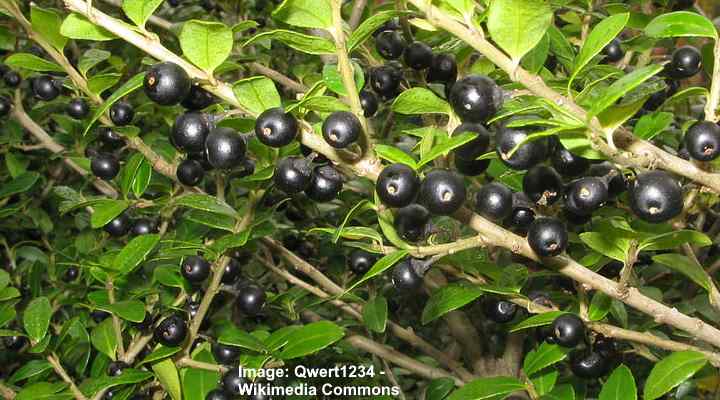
[614, 51]
[78, 108]
[190, 131]
[547, 237]
[231, 272]
[276, 128]
[143, 226]
[71, 273]
[105, 166]
[390, 44]
[397, 185]
[369, 102]
[392, 24]
[195, 269]
[122, 113]
[405, 278]
[217, 394]
[233, 381]
[45, 88]
[443, 69]
[418, 55]
[118, 226]
[341, 128]
[702, 141]
[567, 163]
[197, 98]
[568, 330]
[171, 331]
[588, 364]
[225, 354]
[99, 315]
[586, 195]
[225, 148]
[292, 174]
[250, 300]
[325, 183]
[475, 98]
[359, 261]
[167, 84]
[470, 167]
[686, 62]
[656, 196]
[412, 222]
[190, 172]
[12, 79]
[14, 343]
[543, 185]
[476, 147]
[498, 310]
[385, 80]
[615, 179]
[442, 192]
[5, 106]
[526, 155]
[110, 138]
[115, 368]
[521, 218]
[494, 201]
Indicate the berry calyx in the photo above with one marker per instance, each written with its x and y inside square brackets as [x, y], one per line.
[547, 237]
[543, 185]
[225, 148]
[167, 84]
[442, 192]
[397, 185]
[656, 196]
[276, 128]
[105, 166]
[586, 195]
[190, 131]
[568, 330]
[702, 141]
[341, 128]
[293, 174]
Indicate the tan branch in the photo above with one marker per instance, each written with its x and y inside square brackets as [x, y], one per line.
[55, 363]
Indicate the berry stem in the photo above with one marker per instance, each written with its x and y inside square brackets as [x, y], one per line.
[6, 392]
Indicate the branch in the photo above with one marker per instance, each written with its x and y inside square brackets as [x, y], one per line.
[357, 11]
[6, 392]
[53, 360]
[115, 320]
[190, 363]
[713, 97]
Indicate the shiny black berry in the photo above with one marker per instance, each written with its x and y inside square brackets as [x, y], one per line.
[656, 196]
[568, 330]
[418, 55]
[586, 195]
[494, 201]
[122, 113]
[233, 381]
[143, 226]
[171, 331]
[521, 218]
[359, 261]
[5, 106]
[195, 269]
[527, 155]
[393, 24]
[118, 226]
[225, 354]
[397, 185]
[686, 62]
[14, 343]
[293, 174]
[702, 141]
[498, 310]
[470, 167]
[44, 87]
[250, 299]
[547, 237]
[368, 102]
[390, 44]
[71, 273]
[190, 131]
[341, 128]
[12, 79]
[543, 185]
[385, 80]
[190, 172]
[443, 69]
[614, 51]
[276, 128]
[167, 84]
[588, 364]
[217, 394]
[105, 166]
[405, 278]
[225, 148]
[476, 147]
[412, 222]
[325, 183]
[115, 368]
[442, 192]
[567, 163]
[475, 98]
[232, 272]
[78, 108]
[616, 180]
[110, 138]
[197, 98]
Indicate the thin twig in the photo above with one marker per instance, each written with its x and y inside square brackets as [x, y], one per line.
[713, 97]
[6, 392]
[55, 363]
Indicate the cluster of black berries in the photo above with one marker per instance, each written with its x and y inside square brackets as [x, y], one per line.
[123, 224]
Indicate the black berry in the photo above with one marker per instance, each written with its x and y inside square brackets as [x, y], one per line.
[543, 185]
[476, 147]
[78, 108]
[190, 131]
[418, 55]
[14, 343]
[369, 103]
[233, 381]
[118, 226]
[5, 106]
[225, 148]
[385, 80]
[588, 364]
[614, 51]
[276, 128]
[71, 273]
[167, 84]
[105, 166]
[171, 331]
[143, 226]
[293, 174]
[12, 79]
[195, 269]
[250, 299]
[190, 172]
[359, 261]
[442, 192]
[586, 195]
[567, 163]
[656, 196]
[325, 183]
[702, 141]
[547, 237]
[341, 128]
[405, 278]
[390, 44]
[45, 88]
[122, 113]
[231, 272]
[225, 354]
[494, 201]
[568, 330]
[686, 62]
[527, 155]
[397, 185]
[217, 394]
[443, 69]
[498, 310]
[110, 138]
[197, 98]
[475, 98]
[116, 368]
[412, 222]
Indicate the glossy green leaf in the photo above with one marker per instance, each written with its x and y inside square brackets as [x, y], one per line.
[544, 383]
[650, 125]
[448, 298]
[130, 310]
[599, 306]
[206, 44]
[601, 35]
[370, 25]
[20, 184]
[333, 80]
[91, 58]
[518, 25]
[325, 104]
[135, 252]
[310, 339]
[159, 353]
[537, 320]
[381, 265]
[103, 338]
[140, 10]
[207, 203]
[674, 239]
[197, 383]
[681, 23]
[299, 41]
[235, 337]
[619, 386]
[685, 266]
[419, 101]
[128, 87]
[44, 391]
[47, 24]
[544, 356]
[439, 388]
[257, 94]
[395, 155]
[36, 318]
[129, 376]
[30, 369]
[487, 389]
[672, 371]
[305, 13]
[623, 85]
[106, 210]
[446, 146]
[375, 313]
[76, 26]
[167, 374]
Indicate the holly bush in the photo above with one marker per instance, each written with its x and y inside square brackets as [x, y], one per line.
[447, 199]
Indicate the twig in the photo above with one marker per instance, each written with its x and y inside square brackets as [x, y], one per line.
[713, 97]
[189, 362]
[116, 321]
[6, 392]
[356, 14]
[55, 363]
[278, 77]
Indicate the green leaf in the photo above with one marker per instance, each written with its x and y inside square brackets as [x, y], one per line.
[99, 83]
[612, 246]
[685, 266]
[488, 389]
[447, 146]
[4, 279]
[375, 314]
[311, 338]
[681, 23]
[305, 13]
[672, 371]
[325, 104]
[599, 306]
[135, 252]
[231, 241]
[20, 184]
[518, 25]
[395, 155]
[130, 310]
[128, 87]
[448, 298]
[103, 338]
[561, 47]
[142, 178]
[370, 25]
[544, 383]
[544, 356]
[129, 376]
[235, 337]
[561, 392]
[197, 383]
[619, 386]
[579, 144]
[206, 44]
[420, 101]
[43, 391]
[36, 318]
[78, 27]
[534, 61]
[622, 86]
[650, 125]
[207, 203]
[30, 369]
[385, 220]
[439, 388]
[47, 24]
[167, 374]
[140, 10]
[91, 58]
[257, 94]
[333, 79]
[602, 34]
[537, 320]
[298, 41]
[674, 239]
[159, 353]
[106, 210]
[381, 265]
